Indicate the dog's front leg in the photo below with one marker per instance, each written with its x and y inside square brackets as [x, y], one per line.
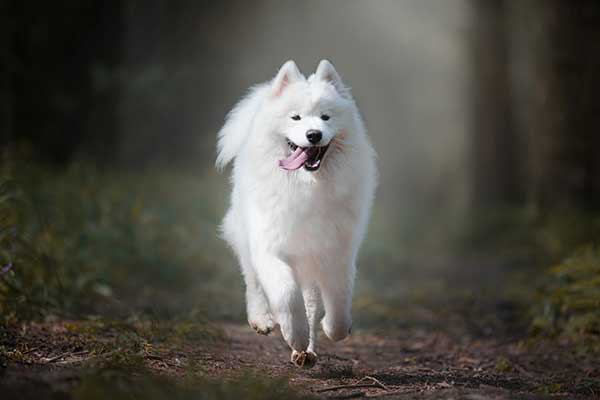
[285, 299]
[336, 290]
[257, 308]
[314, 313]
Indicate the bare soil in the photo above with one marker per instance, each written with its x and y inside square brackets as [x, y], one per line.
[46, 360]
[420, 364]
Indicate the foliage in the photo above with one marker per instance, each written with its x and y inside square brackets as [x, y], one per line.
[571, 298]
[526, 237]
[83, 241]
[34, 282]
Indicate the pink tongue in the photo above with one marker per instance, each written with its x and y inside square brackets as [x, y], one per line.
[295, 160]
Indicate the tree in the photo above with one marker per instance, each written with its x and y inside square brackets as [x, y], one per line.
[495, 159]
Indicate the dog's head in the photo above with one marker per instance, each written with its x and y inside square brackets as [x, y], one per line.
[312, 117]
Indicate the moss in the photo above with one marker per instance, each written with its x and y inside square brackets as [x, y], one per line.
[552, 388]
[503, 365]
[570, 300]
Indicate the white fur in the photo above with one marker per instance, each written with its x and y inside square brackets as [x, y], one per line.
[297, 233]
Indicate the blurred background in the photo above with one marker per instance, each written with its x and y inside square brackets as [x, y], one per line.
[484, 115]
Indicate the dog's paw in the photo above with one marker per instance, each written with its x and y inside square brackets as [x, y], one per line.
[304, 359]
[262, 325]
[337, 329]
[259, 316]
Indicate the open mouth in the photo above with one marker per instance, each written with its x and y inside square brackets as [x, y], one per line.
[309, 157]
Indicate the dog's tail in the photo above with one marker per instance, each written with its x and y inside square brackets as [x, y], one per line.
[237, 126]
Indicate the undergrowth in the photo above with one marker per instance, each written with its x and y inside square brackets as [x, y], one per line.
[81, 241]
[524, 237]
[569, 303]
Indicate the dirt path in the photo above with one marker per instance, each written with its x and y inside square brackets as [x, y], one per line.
[50, 358]
[417, 365]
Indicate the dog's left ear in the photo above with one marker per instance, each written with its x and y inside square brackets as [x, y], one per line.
[326, 72]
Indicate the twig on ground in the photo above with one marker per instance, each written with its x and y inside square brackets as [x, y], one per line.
[60, 356]
[52, 359]
[375, 383]
[32, 349]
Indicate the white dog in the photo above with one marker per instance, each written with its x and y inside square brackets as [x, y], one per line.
[303, 180]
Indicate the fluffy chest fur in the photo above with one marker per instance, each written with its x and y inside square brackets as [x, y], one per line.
[295, 213]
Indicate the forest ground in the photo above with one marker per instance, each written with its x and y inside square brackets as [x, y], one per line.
[119, 288]
[56, 360]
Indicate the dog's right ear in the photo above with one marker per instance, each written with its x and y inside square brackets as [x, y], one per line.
[288, 74]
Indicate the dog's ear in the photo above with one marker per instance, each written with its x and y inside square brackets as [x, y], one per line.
[326, 72]
[288, 74]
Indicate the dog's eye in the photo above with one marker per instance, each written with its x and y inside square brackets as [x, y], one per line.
[325, 117]
[296, 117]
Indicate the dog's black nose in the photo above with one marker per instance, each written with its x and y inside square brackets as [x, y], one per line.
[314, 136]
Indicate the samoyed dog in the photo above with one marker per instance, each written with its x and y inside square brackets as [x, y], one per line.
[303, 180]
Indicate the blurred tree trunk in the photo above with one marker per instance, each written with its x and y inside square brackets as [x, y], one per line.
[57, 88]
[561, 43]
[494, 155]
[570, 175]
[6, 74]
[105, 61]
